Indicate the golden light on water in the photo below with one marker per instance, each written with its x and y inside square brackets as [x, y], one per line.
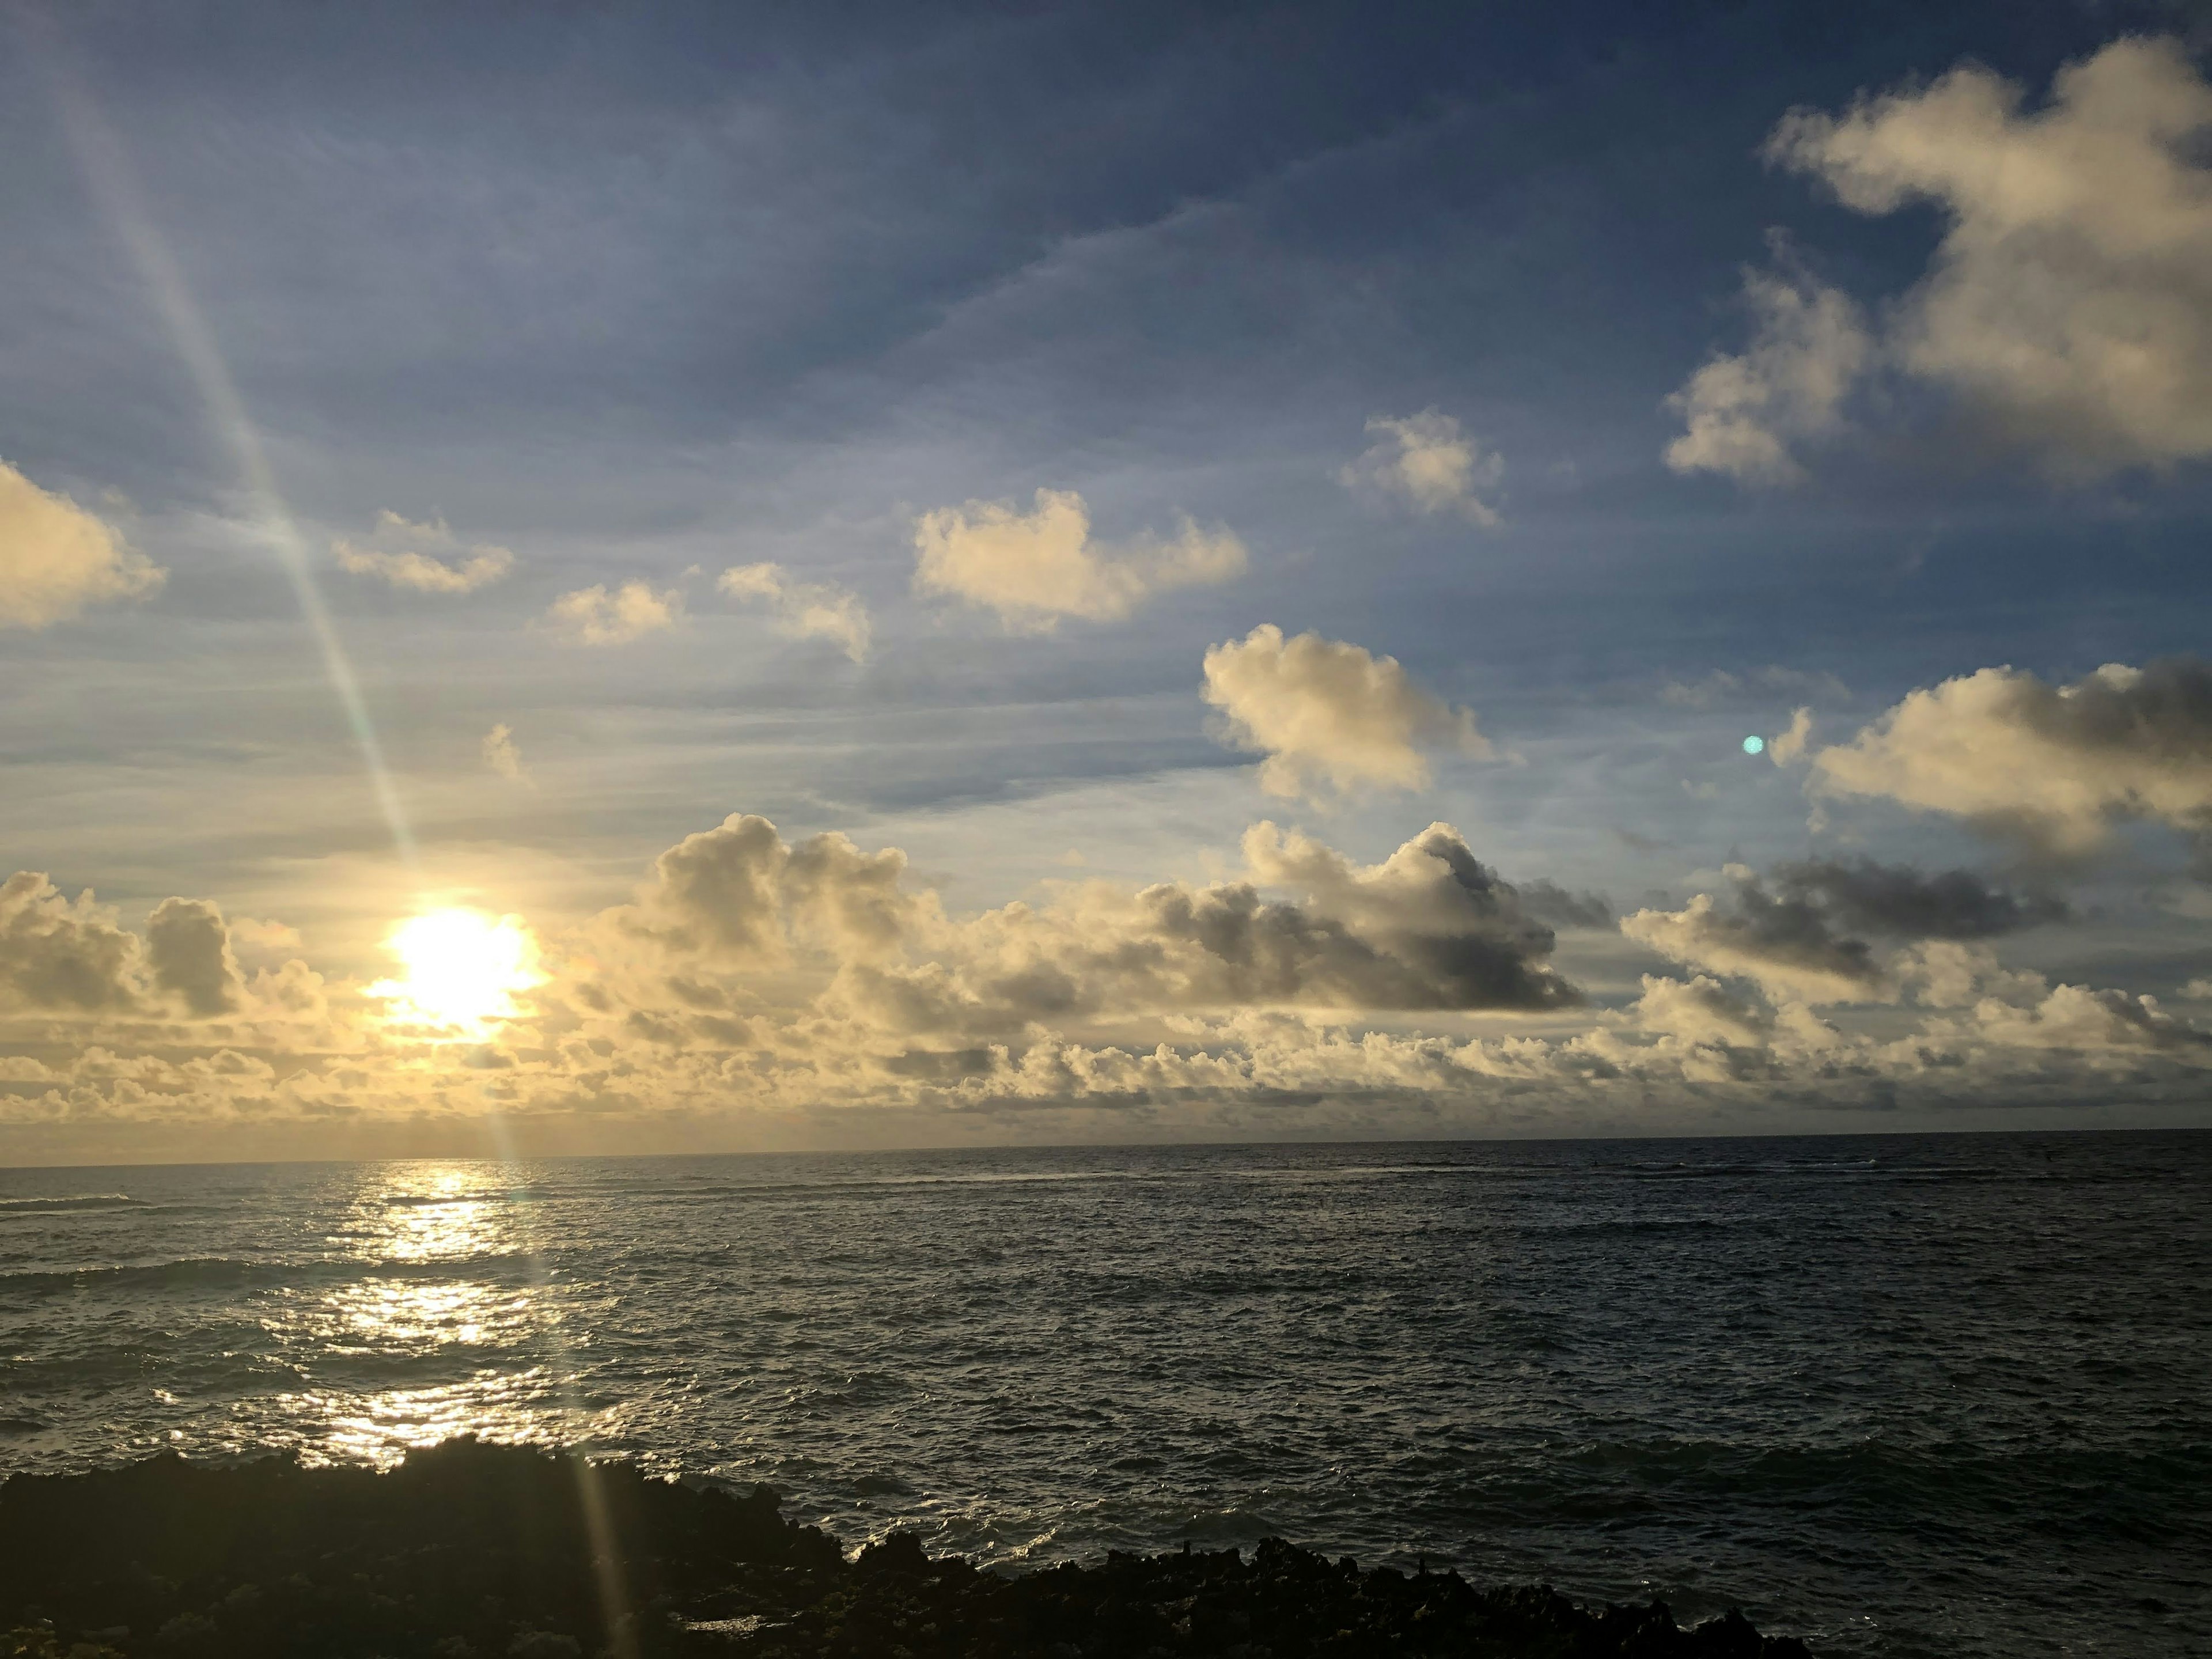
[462, 970]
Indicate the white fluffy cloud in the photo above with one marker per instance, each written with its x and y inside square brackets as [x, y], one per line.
[1034, 569]
[2055, 765]
[1744, 412]
[56, 558]
[1325, 713]
[594, 616]
[2070, 300]
[1427, 460]
[2068, 305]
[425, 558]
[803, 611]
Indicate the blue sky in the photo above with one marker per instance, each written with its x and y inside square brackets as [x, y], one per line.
[597, 297]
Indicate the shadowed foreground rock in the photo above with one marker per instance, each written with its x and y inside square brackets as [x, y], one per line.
[475, 1551]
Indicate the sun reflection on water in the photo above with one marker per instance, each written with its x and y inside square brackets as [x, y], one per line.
[453, 1327]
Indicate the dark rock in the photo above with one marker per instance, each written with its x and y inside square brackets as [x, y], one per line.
[469, 1549]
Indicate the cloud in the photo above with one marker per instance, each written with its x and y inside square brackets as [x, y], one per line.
[1895, 899]
[56, 558]
[1790, 931]
[738, 896]
[57, 953]
[408, 555]
[1426, 460]
[1789, 745]
[501, 754]
[74, 956]
[1034, 569]
[803, 610]
[1808, 347]
[591, 616]
[1720, 686]
[1787, 946]
[2077, 1018]
[1549, 902]
[188, 953]
[2065, 304]
[1324, 712]
[2055, 766]
[1429, 929]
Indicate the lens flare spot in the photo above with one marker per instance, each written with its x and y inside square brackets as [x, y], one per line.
[1754, 746]
[461, 969]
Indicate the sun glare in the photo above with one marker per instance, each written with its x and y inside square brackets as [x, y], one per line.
[461, 969]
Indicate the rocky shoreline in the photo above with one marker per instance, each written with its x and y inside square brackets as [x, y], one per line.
[470, 1551]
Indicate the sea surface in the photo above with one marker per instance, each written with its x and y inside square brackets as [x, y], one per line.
[1910, 1396]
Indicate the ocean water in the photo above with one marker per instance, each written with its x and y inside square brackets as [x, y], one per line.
[1939, 1395]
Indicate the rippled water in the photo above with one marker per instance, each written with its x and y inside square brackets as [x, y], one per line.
[1901, 1395]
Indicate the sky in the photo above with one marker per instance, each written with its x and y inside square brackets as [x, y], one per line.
[652, 578]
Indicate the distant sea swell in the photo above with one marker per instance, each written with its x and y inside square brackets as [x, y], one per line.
[1900, 1395]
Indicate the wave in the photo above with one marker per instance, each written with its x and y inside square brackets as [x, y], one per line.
[225, 1273]
[11, 1207]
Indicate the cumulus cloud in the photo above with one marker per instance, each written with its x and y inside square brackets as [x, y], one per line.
[1744, 412]
[1787, 946]
[1325, 713]
[803, 611]
[1789, 745]
[61, 953]
[2055, 766]
[2064, 306]
[502, 753]
[425, 558]
[1429, 929]
[188, 954]
[1427, 460]
[1899, 900]
[733, 896]
[756, 975]
[1792, 931]
[592, 616]
[2068, 301]
[1034, 569]
[56, 558]
[75, 956]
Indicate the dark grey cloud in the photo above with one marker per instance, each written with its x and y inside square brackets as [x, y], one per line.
[1863, 896]
[188, 954]
[1547, 901]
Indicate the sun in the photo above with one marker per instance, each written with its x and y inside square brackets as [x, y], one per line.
[462, 968]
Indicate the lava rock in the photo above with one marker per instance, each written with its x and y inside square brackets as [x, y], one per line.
[469, 1549]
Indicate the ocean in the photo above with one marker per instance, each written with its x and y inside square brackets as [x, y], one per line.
[1898, 1396]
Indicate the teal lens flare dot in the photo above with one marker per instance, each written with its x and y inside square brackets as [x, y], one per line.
[1753, 745]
